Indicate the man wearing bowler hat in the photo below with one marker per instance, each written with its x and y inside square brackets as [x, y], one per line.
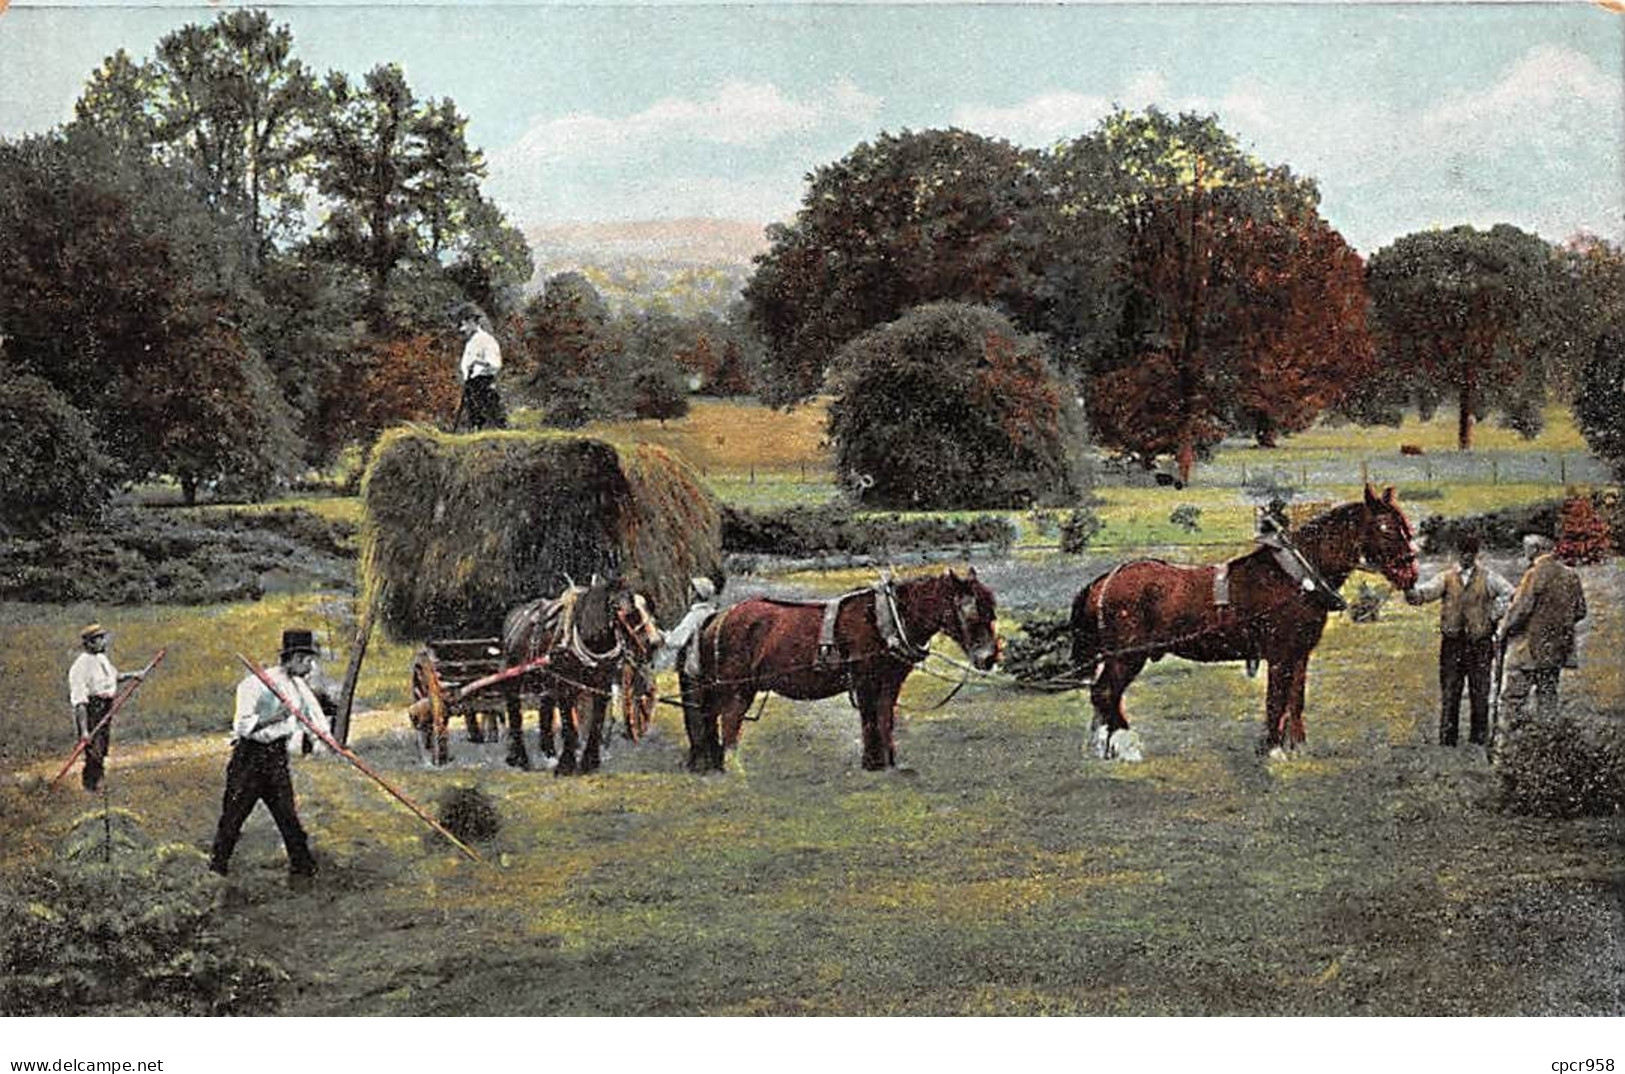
[92, 682]
[265, 736]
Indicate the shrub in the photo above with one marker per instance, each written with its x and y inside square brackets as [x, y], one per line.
[1571, 767]
[949, 407]
[150, 555]
[1081, 526]
[55, 472]
[1040, 652]
[1187, 516]
[120, 925]
[812, 531]
[1582, 533]
[1502, 529]
[1367, 604]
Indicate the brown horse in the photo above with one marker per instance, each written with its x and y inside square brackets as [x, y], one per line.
[775, 646]
[586, 633]
[1146, 609]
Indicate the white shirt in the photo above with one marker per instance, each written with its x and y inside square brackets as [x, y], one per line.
[261, 717]
[679, 635]
[91, 675]
[482, 357]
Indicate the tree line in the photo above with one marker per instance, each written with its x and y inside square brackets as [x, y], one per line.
[227, 269]
[1183, 290]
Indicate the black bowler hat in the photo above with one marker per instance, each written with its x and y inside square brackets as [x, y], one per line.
[298, 641]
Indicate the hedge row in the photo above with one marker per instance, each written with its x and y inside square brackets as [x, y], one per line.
[144, 556]
[816, 531]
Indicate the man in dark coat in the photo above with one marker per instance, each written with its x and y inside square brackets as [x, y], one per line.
[1539, 632]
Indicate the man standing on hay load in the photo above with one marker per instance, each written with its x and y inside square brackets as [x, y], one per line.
[482, 361]
[92, 682]
[1539, 633]
[1473, 600]
[264, 736]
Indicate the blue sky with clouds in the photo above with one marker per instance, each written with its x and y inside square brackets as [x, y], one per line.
[1409, 115]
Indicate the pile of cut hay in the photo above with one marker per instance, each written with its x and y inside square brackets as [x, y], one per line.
[458, 529]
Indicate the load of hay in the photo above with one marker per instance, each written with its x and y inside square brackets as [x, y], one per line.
[458, 529]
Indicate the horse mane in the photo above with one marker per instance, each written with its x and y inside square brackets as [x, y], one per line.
[1327, 520]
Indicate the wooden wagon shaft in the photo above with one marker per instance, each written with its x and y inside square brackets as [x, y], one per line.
[360, 765]
[422, 707]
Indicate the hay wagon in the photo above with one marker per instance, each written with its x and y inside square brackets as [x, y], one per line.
[449, 665]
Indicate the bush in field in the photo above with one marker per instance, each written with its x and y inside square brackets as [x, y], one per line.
[1501, 529]
[119, 925]
[1571, 767]
[949, 407]
[55, 471]
[811, 531]
[1187, 516]
[1081, 526]
[1583, 535]
[1040, 652]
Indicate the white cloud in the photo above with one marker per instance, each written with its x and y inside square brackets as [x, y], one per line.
[1547, 83]
[1037, 121]
[735, 113]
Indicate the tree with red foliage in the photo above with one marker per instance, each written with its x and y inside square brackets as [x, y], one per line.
[394, 381]
[1303, 336]
[1583, 535]
[1230, 278]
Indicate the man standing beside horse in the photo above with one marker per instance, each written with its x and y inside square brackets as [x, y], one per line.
[1473, 600]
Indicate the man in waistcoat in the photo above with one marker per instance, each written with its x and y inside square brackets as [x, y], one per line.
[265, 735]
[1473, 599]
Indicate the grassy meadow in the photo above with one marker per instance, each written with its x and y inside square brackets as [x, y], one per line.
[1002, 871]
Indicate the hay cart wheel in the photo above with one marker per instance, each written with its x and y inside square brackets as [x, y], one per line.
[431, 730]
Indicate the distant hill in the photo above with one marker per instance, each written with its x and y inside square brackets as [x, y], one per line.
[685, 266]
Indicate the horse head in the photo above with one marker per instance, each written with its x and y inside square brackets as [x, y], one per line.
[637, 624]
[1386, 540]
[970, 619]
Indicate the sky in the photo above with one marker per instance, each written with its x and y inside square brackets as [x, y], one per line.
[1409, 116]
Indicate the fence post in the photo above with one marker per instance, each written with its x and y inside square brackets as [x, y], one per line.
[1495, 472]
[1365, 471]
[1562, 469]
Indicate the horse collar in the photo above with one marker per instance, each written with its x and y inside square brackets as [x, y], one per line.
[889, 622]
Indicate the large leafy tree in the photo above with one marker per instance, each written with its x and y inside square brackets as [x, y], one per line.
[575, 353]
[1227, 276]
[1599, 404]
[1464, 314]
[401, 184]
[123, 291]
[904, 220]
[951, 406]
[227, 100]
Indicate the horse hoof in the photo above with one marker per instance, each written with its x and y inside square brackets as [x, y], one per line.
[1277, 753]
[1124, 745]
[521, 763]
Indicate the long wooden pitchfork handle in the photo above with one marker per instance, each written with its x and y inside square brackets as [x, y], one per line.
[118, 703]
[361, 765]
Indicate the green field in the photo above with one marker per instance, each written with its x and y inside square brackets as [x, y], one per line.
[1003, 871]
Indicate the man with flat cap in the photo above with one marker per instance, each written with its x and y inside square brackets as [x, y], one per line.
[92, 682]
[265, 735]
[1473, 599]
